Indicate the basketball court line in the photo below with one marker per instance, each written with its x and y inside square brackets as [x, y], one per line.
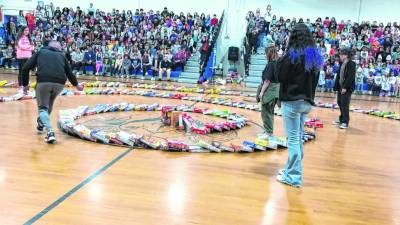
[76, 188]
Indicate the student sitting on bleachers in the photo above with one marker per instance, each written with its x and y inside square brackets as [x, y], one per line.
[146, 63]
[179, 59]
[77, 60]
[8, 57]
[165, 67]
[117, 67]
[137, 64]
[89, 59]
[126, 66]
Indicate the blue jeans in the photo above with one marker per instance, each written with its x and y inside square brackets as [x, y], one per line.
[359, 88]
[294, 114]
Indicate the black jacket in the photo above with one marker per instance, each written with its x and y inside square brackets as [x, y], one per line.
[295, 82]
[349, 77]
[52, 66]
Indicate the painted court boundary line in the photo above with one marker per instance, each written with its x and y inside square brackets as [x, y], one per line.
[76, 188]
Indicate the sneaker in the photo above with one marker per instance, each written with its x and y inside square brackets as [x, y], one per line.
[343, 126]
[336, 122]
[280, 179]
[50, 138]
[39, 126]
[263, 136]
[281, 172]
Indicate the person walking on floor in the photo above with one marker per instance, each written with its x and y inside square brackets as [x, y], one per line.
[268, 92]
[53, 70]
[24, 46]
[344, 86]
[297, 72]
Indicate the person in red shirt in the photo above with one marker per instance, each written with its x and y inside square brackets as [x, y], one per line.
[342, 25]
[332, 52]
[214, 21]
[30, 18]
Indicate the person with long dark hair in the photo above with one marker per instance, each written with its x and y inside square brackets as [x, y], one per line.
[24, 46]
[297, 71]
[268, 92]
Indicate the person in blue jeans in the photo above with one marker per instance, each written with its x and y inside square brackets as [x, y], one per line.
[297, 72]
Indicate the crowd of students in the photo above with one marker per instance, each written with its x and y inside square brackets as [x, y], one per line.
[118, 43]
[375, 48]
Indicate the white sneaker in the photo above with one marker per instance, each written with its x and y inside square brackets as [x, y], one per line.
[263, 136]
[335, 122]
[343, 126]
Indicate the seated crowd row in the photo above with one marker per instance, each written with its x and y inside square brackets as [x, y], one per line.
[117, 43]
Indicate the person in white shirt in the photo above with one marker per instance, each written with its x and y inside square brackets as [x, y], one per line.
[392, 82]
[268, 18]
[385, 85]
[77, 59]
[321, 81]
[359, 81]
[397, 87]
[376, 89]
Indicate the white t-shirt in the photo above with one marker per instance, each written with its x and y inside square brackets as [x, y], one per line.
[378, 80]
[385, 84]
[321, 80]
[392, 80]
[268, 16]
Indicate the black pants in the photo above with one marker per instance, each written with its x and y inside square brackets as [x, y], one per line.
[21, 63]
[177, 64]
[145, 69]
[343, 100]
[8, 62]
[77, 66]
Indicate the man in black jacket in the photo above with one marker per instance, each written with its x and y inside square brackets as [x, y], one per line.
[344, 86]
[53, 70]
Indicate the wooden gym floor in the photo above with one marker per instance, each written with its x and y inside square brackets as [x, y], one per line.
[350, 177]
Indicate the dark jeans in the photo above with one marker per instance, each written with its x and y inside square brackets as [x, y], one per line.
[77, 66]
[177, 64]
[21, 63]
[343, 100]
[8, 62]
[146, 68]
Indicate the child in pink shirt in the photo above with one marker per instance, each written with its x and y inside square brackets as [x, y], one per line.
[24, 46]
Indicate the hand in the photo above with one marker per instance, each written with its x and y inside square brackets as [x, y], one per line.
[343, 91]
[79, 87]
[26, 89]
[260, 96]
